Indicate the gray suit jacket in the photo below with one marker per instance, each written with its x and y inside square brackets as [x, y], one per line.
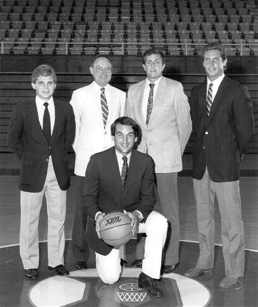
[169, 127]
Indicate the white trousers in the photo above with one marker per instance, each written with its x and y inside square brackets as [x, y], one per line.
[31, 204]
[155, 227]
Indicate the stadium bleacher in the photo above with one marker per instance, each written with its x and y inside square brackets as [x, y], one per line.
[66, 34]
[127, 27]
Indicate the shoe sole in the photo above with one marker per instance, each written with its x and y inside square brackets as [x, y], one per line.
[206, 272]
[50, 274]
[32, 277]
[80, 268]
[236, 287]
[150, 292]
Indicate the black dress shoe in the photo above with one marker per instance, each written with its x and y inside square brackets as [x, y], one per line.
[32, 274]
[58, 270]
[79, 265]
[137, 263]
[166, 269]
[148, 283]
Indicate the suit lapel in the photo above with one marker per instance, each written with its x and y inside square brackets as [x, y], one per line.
[139, 99]
[218, 98]
[159, 98]
[202, 95]
[34, 117]
[58, 112]
[133, 167]
[113, 168]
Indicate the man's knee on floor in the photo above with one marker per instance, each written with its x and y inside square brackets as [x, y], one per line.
[110, 279]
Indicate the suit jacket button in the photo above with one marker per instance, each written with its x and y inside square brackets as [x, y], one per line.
[47, 160]
[203, 147]
[206, 132]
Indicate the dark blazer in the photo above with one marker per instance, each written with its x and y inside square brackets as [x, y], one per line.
[222, 138]
[104, 192]
[28, 142]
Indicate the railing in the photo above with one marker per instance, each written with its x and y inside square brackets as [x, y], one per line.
[65, 47]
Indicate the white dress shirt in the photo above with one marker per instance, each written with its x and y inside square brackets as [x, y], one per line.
[146, 96]
[121, 161]
[120, 165]
[215, 87]
[41, 109]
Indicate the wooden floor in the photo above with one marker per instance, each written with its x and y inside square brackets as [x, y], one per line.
[11, 271]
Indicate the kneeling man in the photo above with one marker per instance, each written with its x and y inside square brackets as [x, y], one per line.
[106, 191]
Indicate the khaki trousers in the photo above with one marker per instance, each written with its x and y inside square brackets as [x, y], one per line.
[232, 229]
[31, 204]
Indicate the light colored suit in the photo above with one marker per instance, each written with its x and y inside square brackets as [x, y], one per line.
[164, 138]
[170, 126]
[91, 137]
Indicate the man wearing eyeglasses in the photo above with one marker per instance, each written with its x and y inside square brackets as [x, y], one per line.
[96, 106]
[223, 125]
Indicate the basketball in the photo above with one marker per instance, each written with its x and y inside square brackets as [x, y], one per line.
[115, 229]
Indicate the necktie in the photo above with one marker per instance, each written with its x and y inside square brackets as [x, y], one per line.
[124, 171]
[46, 124]
[150, 103]
[104, 107]
[209, 99]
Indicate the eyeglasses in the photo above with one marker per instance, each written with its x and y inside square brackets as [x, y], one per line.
[208, 61]
[101, 70]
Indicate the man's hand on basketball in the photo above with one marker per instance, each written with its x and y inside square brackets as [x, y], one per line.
[134, 216]
[99, 217]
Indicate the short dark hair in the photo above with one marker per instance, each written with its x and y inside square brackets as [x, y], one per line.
[128, 121]
[153, 51]
[215, 46]
[99, 56]
[43, 70]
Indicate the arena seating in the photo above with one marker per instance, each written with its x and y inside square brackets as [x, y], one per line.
[127, 27]
[68, 33]
[73, 72]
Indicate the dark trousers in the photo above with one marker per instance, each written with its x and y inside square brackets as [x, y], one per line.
[80, 246]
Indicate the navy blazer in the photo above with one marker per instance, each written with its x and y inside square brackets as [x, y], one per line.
[222, 138]
[103, 190]
[27, 141]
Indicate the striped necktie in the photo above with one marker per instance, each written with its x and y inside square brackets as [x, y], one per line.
[209, 99]
[124, 170]
[46, 123]
[104, 107]
[150, 103]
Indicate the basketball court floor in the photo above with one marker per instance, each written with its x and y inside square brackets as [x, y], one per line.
[84, 288]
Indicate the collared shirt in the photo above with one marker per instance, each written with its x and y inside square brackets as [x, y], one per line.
[98, 92]
[41, 109]
[146, 95]
[97, 89]
[120, 165]
[121, 161]
[215, 87]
